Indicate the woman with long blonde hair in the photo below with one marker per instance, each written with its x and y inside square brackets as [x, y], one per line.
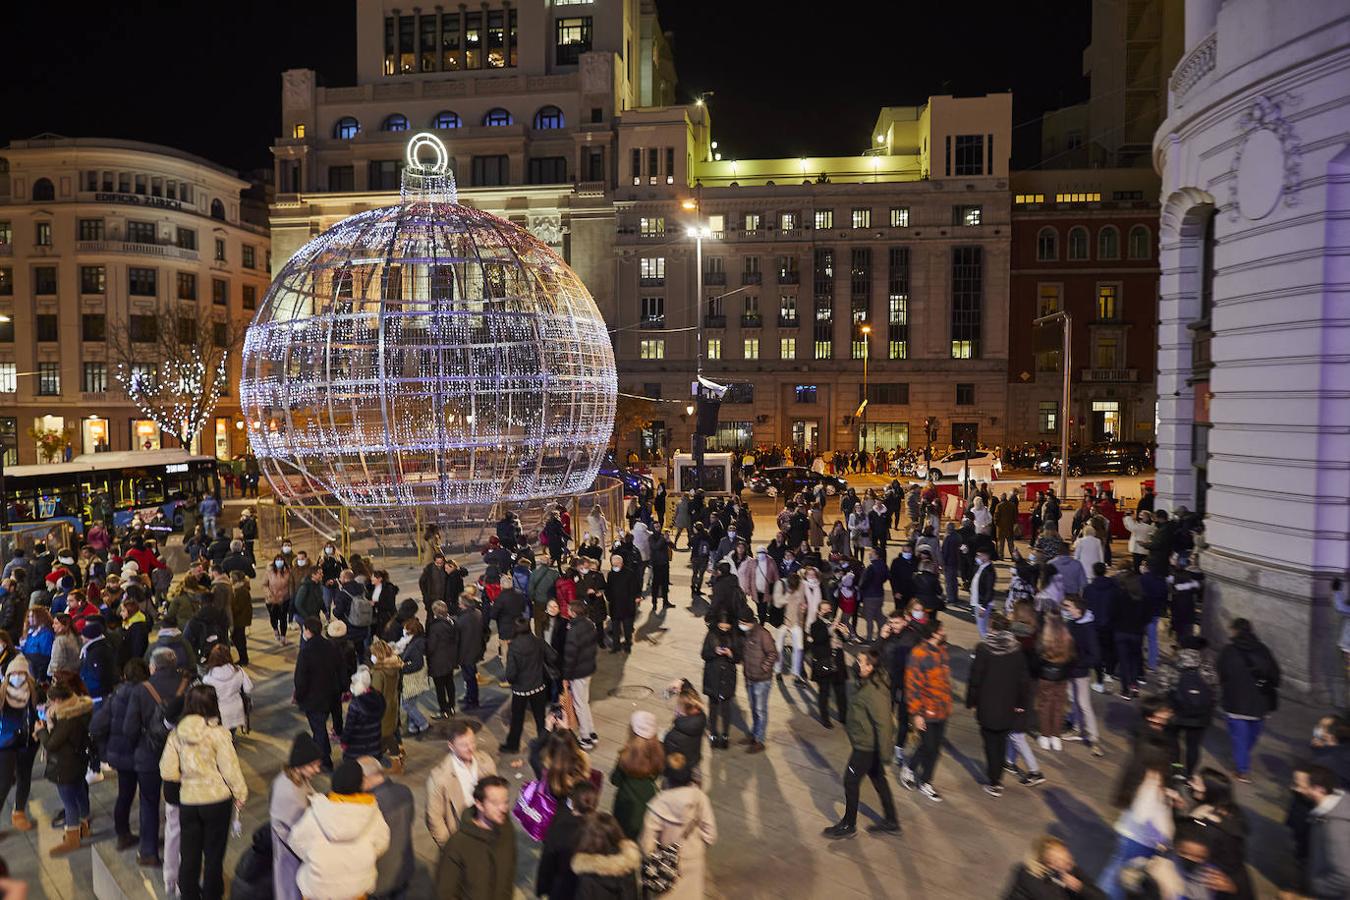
[1054, 652]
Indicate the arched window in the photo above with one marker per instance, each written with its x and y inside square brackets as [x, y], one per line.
[1047, 243]
[395, 122]
[445, 119]
[346, 128]
[1141, 242]
[217, 210]
[1078, 243]
[1108, 243]
[495, 118]
[43, 190]
[548, 117]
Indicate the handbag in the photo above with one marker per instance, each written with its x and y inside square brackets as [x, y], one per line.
[569, 708]
[661, 868]
[534, 809]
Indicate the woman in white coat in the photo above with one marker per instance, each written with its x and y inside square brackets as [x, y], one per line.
[339, 839]
[681, 814]
[232, 684]
[1088, 548]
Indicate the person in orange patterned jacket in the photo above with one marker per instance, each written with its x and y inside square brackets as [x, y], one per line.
[928, 698]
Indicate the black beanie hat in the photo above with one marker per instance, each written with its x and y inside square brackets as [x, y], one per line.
[304, 751]
[348, 777]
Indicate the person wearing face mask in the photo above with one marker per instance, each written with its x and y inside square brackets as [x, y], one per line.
[982, 590]
[759, 657]
[415, 679]
[902, 575]
[280, 589]
[1050, 873]
[1222, 827]
[621, 591]
[927, 704]
[872, 591]
[331, 566]
[828, 669]
[722, 652]
[18, 748]
[870, 733]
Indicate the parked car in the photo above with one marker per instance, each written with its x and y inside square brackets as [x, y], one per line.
[792, 480]
[634, 481]
[984, 466]
[1105, 457]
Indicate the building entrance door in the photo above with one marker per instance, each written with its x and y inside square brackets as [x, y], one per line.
[804, 433]
[1105, 420]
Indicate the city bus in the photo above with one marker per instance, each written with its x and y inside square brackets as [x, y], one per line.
[108, 485]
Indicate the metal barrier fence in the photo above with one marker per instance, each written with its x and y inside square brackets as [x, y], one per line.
[56, 535]
[403, 542]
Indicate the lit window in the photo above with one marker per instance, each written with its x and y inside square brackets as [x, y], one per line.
[653, 312]
[824, 218]
[497, 117]
[298, 132]
[805, 393]
[548, 117]
[717, 224]
[1078, 243]
[573, 38]
[1108, 243]
[9, 377]
[859, 348]
[1029, 199]
[1047, 244]
[445, 119]
[1079, 197]
[899, 216]
[823, 349]
[787, 348]
[1047, 300]
[788, 221]
[346, 128]
[714, 348]
[43, 236]
[95, 378]
[751, 222]
[653, 226]
[652, 269]
[395, 122]
[862, 218]
[751, 348]
[1047, 417]
[1141, 242]
[1108, 303]
[652, 348]
[967, 215]
[49, 379]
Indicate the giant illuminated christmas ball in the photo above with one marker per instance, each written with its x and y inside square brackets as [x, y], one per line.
[427, 355]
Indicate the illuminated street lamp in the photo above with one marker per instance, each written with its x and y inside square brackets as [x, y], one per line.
[698, 232]
[862, 407]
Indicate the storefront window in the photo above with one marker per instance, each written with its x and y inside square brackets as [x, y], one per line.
[144, 434]
[94, 434]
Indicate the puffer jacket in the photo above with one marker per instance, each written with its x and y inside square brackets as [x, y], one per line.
[200, 756]
[115, 748]
[870, 725]
[361, 731]
[686, 736]
[759, 654]
[1000, 683]
[928, 683]
[719, 672]
[339, 839]
[231, 684]
[579, 649]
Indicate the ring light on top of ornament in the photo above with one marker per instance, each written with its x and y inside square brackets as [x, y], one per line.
[427, 355]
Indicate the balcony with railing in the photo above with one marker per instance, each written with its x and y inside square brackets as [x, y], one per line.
[752, 277]
[652, 281]
[715, 278]
[788, 321]
[652, 322]
[1110, 376]
[714, 321]
[789, 277]
[752, 320]
[163, 251]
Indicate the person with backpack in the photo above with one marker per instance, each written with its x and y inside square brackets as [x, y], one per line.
[145, 731]
[210, 626]
[1192, 686]
[1249, 681]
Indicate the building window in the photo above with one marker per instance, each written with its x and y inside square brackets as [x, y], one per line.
[445, 119]
[548, 170]
[346, 128]
[186, 238]
[1047, 244]
[250, 297]
[653, 312]
[6, 233]
[969, 154]
[652, 348]
[1108, 243]
[899, 216]
[823, 280]
[965, 394]
[652, 226]
[862, 218]
[187, 286]
[789, 221]
[1047, 417]
[967, 215]
[787, 348]
[787, 270]
[732, 437]
[88, 230]
[573, 38]
[751, 348]
[341, 179]
[143, 329]
[1108, 303]
[714, 348]
[490, 171]
[1078, 243]
[886, 393]
[46, 328]
[787, 311]
[93, 279]
[248, 256]
[860, 281]
[1047, 299]
[824, 348]
[751, 222]
[49, 379]
[897, 304]
[497, 118]
[43, 234]
[967, 301]
[1028, 199]
[824, 219]
[220, 292]
[95, 378]
[805, 393]
[141, 232]
[384, 174]
[395, 122]
[6, 282]
[548, 117]
[1086, 197]
[43, 190]
[670, 165]
[93, 328]
[1106, 352]
[739, 392]
[1141, 242]
[7, 331]
[593, 160]
[652, 271]
[9, 381]
[44, 280]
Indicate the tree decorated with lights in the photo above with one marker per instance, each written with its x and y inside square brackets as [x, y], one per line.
[173, 366]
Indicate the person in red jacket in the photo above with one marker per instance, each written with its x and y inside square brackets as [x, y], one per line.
[145, 558]
[928, 700]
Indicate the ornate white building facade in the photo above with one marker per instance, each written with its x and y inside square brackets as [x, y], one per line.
[1254, 334]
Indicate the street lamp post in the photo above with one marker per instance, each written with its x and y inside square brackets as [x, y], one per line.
[867, 352]
[1064, 403]
[698, 233]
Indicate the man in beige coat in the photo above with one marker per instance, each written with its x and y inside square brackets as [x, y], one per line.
[450, 785]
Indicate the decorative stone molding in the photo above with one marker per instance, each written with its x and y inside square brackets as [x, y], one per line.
[1175, 220]
[548, 228]
[1268, 143]
[297, 89]
[1197, 64]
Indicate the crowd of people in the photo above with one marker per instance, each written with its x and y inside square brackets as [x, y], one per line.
[118, 665]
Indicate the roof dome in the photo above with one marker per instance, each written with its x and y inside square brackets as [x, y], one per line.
[427, 355]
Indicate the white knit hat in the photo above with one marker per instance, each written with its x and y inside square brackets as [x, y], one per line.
[18, 697]
[360, 681]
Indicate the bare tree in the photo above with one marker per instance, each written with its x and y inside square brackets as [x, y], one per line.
[173, 363]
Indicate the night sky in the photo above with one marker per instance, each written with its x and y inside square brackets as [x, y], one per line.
[788, 80]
